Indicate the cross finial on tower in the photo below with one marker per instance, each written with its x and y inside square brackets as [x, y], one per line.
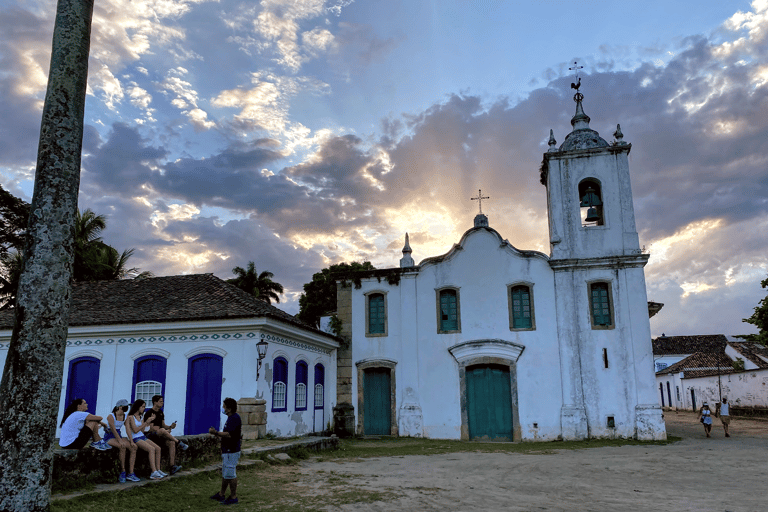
[578, 96]
[479, 199]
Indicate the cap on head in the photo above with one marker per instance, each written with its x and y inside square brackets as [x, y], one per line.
[122, 403]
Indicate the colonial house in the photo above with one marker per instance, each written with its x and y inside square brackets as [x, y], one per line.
[697, 369]
[194, 339]
[489, 341]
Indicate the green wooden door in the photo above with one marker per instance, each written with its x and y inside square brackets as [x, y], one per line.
[489, 402]
[376, 399]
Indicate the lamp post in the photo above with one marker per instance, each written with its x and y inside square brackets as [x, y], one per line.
[261, 347]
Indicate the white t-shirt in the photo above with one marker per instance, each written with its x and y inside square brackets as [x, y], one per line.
[724, 410]
[72, 427]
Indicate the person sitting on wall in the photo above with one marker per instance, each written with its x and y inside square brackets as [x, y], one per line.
[230, 451]
[78, 426]
[135, 428]
[114, 437]
[160, 433]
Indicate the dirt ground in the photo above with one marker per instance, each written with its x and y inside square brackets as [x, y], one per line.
[695, 474]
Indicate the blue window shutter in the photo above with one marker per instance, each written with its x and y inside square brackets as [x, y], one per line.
[521, 308]
[600, 303]
[149, 368]
[83, 381]
[449, 317]
[280, 374]
[301, 378]
[319, 379]
[376, 319]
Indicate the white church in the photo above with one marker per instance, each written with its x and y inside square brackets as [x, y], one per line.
[491, 342]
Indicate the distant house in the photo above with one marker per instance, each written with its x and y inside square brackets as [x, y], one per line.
[692, 370]
[193, 339]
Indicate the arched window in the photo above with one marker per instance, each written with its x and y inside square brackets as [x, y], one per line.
[319, 385]
[521, 307]
[148, 377]
[83, 381]
[301, 386]
[600, 304]
[280, 385]
[448, 319]
[591, 203]
[377, 314]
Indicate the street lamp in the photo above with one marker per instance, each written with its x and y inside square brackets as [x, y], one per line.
[261, 347]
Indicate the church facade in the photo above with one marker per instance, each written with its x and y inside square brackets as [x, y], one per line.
[491, 342]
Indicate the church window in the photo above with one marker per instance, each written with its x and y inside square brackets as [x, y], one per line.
[301, 386]
[600, 304]
[319, 383]
[521, 307]
[376, 314]
[148, 377]
[448, 311]
[280, 385]
[591, 203]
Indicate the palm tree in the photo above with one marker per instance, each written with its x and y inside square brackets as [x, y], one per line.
[260, 286]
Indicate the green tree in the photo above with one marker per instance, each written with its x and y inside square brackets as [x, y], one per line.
[14, 215]
[9, 277]
[260, 286]
[319, 297]
[759, 319]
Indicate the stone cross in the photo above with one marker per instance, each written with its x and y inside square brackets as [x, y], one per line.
[479, 199]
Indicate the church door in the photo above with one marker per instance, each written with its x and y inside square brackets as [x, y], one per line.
[489, 402]
[377, 402]
[203, 408]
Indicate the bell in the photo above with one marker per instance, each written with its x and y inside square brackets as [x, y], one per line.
[592, 215]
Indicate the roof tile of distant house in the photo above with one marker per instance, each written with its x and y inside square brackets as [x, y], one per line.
[164, 299]
[669, 345]
[701, 364]
[752, 351]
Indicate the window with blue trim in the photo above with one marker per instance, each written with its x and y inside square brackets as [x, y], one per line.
[448, 310]
[521, 307]
[301, 386]
[377, 316]
[279, 385]
[600, 303]
[319, 386]
[148, 377]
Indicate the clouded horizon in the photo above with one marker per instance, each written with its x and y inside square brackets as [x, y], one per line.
[298, 134]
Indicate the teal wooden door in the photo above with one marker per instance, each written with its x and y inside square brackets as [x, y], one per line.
[377, 416]
[489, 402]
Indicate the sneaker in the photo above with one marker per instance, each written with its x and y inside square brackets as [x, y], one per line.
[184, 446]
[229, 501]
[218, 497]
[175, 469]
[163, 473]
[121, 478]
[133, 478]
[101, 445]
[156, 476]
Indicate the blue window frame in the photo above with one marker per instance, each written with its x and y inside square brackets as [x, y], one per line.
[319, 386]
[301, 386]
[280, 385]
[148, 377]
[83, 381]
[522, 307]
[600, 302]
[449, 310]
[376, 314]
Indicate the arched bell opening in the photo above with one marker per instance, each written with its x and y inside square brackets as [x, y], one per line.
[591, 203]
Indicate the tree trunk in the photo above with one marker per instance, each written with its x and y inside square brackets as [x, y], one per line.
[31, 384]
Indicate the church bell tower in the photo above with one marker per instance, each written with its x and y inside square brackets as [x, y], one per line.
[608, 384]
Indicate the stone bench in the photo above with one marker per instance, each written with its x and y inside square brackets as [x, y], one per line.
[77, 468]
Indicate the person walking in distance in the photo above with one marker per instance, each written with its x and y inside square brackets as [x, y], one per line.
[705, 416]
[230, 452]
[725, 415]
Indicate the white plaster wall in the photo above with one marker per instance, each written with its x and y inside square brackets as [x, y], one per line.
[746, 389]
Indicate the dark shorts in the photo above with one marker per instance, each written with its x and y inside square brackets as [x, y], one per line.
[108, 435]
[85, 435]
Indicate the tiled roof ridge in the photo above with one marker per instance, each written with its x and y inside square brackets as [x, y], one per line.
[747, 349]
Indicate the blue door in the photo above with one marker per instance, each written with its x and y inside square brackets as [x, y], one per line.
[83, 381]
[489, 402]
[319, 398]
[203, 408]
[377, 402]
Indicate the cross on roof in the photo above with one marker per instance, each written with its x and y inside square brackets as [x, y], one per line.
[479, 199]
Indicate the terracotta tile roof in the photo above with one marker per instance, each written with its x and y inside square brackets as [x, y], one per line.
[669, 345]
[701, 364]
[164, 299]
[752, 351]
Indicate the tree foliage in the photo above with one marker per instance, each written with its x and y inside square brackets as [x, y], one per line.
[14, 215]
[319, 297]
[260, 286]
[759, 319]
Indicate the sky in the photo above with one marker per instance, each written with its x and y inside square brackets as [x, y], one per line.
[298, 134]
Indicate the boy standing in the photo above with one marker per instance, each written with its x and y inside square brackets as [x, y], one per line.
[230, 452]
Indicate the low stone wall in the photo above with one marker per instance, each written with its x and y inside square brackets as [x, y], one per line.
[748, 411]
[77, 468]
